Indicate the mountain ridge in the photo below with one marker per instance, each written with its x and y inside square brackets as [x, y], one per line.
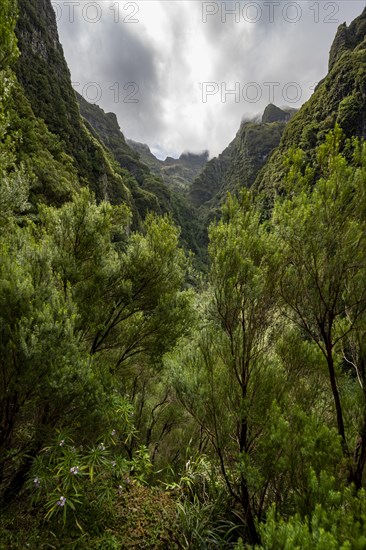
[177, 173]
[240, 162]
[340, 98]
[45, 78]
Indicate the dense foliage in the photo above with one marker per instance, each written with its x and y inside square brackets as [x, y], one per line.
[143, 405]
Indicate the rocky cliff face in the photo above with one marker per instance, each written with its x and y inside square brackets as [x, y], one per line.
[195, 159]
[43, 72]
[106, 128]
[93, 142]
[275, 114]
[339, 99]
[209, 183]
[347, 38]
[239, 164]
[148, 190]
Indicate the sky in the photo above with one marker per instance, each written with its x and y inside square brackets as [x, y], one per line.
[182, 74]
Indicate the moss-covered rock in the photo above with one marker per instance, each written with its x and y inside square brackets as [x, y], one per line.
[347, 38]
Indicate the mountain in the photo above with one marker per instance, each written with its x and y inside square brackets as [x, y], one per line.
[67, 142]
[275, 114]
[256, 155]
[105, 127]
[347, 39]
[239, 164]
[146, 156]
[148, 192]
[95, 149]
[44, 75]
[340, 98]
[176, 173]
[147, 186]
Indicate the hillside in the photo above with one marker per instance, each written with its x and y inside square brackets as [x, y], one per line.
[45, 78]
[148, 190]
[340, 98]
[155, 399]
[176, 173]
[239, 164]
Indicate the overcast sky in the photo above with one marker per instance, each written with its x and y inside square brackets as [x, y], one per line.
[166, 67]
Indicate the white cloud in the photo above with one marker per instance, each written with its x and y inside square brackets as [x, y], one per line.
[170, 52]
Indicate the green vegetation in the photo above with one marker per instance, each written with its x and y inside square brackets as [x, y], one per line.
[145, 405]
[148, 190]
[178, 173]
[340, 98]
[237, 166]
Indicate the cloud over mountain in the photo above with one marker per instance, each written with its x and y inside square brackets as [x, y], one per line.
[150, 62]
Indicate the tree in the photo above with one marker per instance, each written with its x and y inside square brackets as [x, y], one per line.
[322, 235]
[226, 379]
[128, 286]
[42, 369]
[87, 308]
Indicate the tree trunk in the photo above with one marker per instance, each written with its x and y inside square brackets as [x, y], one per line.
[253, 535]
[337, 401]
[360, 449]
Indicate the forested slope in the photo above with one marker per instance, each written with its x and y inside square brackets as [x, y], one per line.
[45, 78]
[237, 166]
[145, 405]
[340, 98]
[149, 192]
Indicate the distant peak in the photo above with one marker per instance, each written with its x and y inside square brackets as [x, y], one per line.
[137, 145]
[274, 114]
[196, 158]
[348, 38]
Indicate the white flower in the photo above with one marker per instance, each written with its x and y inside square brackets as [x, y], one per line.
[61, 502]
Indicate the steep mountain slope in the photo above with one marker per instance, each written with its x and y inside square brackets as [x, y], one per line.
[106, 128]
[176, 173]
[272, 113]
[182, 171]
[148, 189]
[347, 38]
[239, 164]
[45, 78]
[51, 173]
[339, 98]
[146, 156]
[208, 184]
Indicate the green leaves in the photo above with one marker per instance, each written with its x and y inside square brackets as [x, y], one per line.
[8, 42]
